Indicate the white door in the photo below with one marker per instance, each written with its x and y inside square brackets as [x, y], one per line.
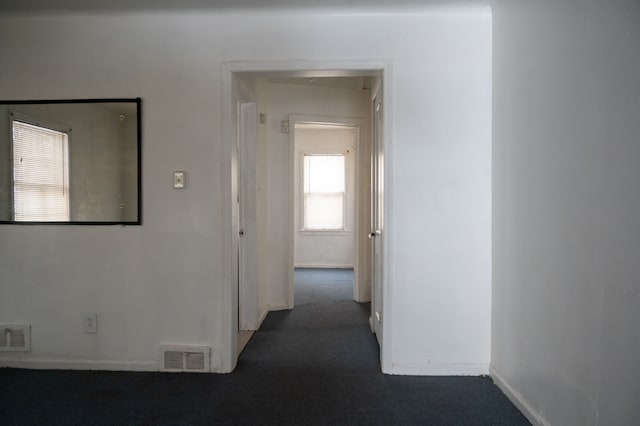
[377, 220]
[248, 235]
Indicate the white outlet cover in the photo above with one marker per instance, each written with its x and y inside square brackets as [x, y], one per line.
[90, 323]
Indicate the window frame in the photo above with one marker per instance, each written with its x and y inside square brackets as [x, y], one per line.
[45, 124]
[345, 223]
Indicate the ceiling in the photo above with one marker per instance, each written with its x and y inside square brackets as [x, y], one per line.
[98, 6]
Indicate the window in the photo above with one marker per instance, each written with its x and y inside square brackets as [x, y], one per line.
[324, 192]
[40, 173]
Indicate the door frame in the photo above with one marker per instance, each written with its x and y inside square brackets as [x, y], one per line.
[376, 234]
[247, 240]
[228, 349]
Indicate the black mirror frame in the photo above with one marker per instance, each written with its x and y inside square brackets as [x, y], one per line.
[138, 102]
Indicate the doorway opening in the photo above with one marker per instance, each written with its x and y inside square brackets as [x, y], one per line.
[329, 193]
[285, 212]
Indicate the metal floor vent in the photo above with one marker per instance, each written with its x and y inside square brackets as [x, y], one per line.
[184, 358]
[15, 338]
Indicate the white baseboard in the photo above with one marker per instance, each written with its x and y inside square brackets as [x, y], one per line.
[278, 307]
[439, 369]
[262, 316]
[322, 266]
[518, 399]
[79, 364]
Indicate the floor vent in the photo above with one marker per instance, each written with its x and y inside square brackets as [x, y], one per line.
[15, 338]
[184, 358]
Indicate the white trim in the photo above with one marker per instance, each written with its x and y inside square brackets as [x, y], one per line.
[248, 242]
[387, 81]
[262, 316]
[518, 399]
[326, 68]
[79, 364]
[326, 120]
[229, 258]
[323, 266]
[324, 232]
[291, 211]
[279, 307]
[440, 369]
[312, 68]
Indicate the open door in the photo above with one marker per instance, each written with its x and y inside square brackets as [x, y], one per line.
[247, 235]
[377, 220]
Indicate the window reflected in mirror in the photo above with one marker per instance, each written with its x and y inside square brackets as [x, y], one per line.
[40, 173]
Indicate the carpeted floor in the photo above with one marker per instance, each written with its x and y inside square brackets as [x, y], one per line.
[315, 365]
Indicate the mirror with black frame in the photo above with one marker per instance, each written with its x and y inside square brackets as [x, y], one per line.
[70, 161]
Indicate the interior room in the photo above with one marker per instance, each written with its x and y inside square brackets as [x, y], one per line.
[493, 228]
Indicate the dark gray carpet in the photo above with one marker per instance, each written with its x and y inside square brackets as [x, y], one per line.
[315, 365]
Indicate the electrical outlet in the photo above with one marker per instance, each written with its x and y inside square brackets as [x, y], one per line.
[90, 322]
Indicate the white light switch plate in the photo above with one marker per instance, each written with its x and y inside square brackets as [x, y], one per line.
[178, 180]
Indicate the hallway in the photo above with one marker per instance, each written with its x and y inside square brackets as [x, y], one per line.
[319, 364]
[314, 365]
[326, 333]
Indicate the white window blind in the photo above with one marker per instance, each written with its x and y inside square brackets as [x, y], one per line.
[324, 192]
[40, 173]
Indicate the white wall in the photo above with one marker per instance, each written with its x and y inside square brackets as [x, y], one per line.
[567, 209]
[327, 249]
[439, 233]
[162, 282]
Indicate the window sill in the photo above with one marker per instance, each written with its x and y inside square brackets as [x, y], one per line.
[324, 232]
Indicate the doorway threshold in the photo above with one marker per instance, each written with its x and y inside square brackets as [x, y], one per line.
[243, 339]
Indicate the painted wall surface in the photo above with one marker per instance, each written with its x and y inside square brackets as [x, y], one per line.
[326, 249]
[567, 209]
[103, 180]
[439, 233]
[282, 100]
[162, 283]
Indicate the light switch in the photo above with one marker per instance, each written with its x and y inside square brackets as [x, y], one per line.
[178, 180]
